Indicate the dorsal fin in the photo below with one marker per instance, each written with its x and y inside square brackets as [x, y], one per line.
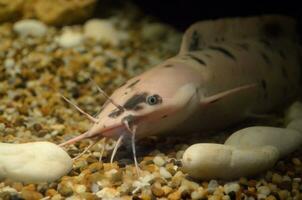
[269, 27]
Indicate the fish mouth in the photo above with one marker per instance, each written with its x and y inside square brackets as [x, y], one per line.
[117, 129]
[113, 131]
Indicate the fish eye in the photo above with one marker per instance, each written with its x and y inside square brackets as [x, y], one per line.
[154, 99]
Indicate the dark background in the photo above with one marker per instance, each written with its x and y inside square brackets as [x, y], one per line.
[182, 13]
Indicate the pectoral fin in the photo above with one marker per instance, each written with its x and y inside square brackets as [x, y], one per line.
[221, 95]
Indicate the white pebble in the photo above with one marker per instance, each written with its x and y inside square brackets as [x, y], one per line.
[101, 30]
[286, 178]
[285, 140]
[231, 187]
[94, 188]
[264, 190]
[217, 161]
[294, 112]
[154, 30]
[33, 162]
[30, 27]
[165, 173]
[295, 124]
[70, 39]
[7, 189]
[261, 196]
[80, 189]
[212, 186]
[107, 193]
[179, 154]
[159, 161]
[9, 63]
[200, 193]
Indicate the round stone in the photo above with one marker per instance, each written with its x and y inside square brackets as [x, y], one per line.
[70, 39]
[30, 27]
[33, 162]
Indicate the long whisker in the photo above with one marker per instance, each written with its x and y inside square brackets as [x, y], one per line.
[75, 139]
[88, 116]
[86, 149]
[117, 145]
[107, 96]
[103, 148]
[133, 132]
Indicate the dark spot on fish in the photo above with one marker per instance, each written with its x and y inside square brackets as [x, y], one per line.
[199, 60]
[265, 58]
[133, 84]
[126, 93]
[135, 100]
[244, 46]
[129, 118]
[282, 54]
[214, 101]
[263, 84]
[123, 84]
[138, 107]
[194, 45]
[223, 50]
[104, 126]
[284, 72]
[168, 65]
[115, 113]
[272, 29]
[164, 116]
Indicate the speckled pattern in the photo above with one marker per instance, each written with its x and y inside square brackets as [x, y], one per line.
[33, 73]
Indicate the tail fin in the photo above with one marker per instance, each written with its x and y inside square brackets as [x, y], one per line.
[266, 27]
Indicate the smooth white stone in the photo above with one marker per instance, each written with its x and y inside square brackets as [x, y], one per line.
[285, 140]
[213, 184]
[30, 27]
[231, 187]
[33, 162]
[296, 124]
[101, 30]
[293, 112]
[159, 161]
[9, 63]
[154, 30]
[217, 161]
[165, 173]
[70, 39]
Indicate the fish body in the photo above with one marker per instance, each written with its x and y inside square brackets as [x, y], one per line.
[226, 70]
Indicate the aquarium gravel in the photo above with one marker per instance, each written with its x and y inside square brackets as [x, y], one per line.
[36, 68]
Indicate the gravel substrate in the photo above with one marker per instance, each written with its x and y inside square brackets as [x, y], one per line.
[36, 69]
